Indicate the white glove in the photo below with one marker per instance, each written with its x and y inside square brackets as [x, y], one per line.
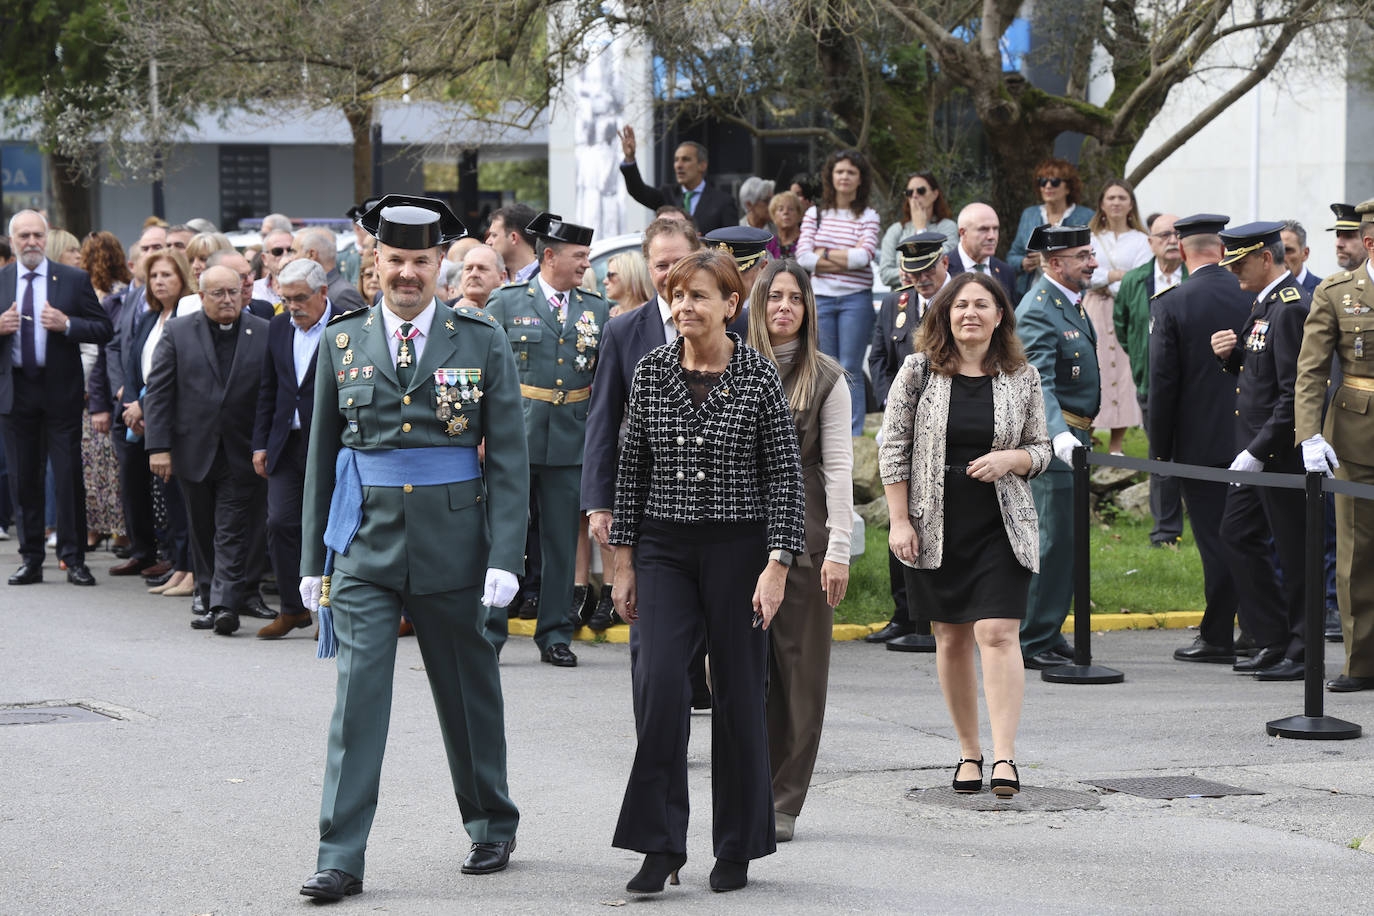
[500, 588]
[1245, 462]
[310, 593]
[1064, 443]
[1318, 455]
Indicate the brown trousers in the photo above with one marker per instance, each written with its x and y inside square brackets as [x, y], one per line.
[1355, 571]
[798, 674]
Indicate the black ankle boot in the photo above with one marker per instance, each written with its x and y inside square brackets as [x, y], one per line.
[578, 603]
[657, 868]
[729, 875]
[603, 617]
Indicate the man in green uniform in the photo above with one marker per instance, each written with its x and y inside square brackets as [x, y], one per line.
[400, 514]
[1062, 345]
[555, 331]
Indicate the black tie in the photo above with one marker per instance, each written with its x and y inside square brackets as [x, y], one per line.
[405, 359]
[27, 346]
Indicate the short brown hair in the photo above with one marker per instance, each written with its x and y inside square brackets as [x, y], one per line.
[721, 267]
[1054, 167]
[180, 265]
[669, 226]
[1005, 354]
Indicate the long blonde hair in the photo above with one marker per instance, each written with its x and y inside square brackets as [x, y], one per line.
[807, 362]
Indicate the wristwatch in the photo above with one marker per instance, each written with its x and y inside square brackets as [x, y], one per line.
[782, 556]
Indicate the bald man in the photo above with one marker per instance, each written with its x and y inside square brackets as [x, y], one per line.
[979, 230]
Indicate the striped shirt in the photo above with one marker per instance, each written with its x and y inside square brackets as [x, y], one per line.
[839, 229]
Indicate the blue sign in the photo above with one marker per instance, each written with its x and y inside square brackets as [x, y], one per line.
[21, 167]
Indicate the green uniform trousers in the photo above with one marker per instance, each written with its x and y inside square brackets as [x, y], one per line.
[1355, 570]
[1051, 590]
[466, 682]
[558, 492]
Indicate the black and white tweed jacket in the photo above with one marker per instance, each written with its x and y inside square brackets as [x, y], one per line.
[733, 459]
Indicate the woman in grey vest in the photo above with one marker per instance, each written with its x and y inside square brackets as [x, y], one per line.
[782, 326]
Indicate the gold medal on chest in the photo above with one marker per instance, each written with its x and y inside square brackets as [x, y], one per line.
[341, 341]
[901, 318]
[457, 425]
[348, 357]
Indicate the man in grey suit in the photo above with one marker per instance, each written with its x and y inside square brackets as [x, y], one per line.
[199, 410]
[317, 244]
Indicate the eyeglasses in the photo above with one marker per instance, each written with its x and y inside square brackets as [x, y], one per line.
[297, 300]
[277, 252]
[219, 293]
[1164, 236]
[1051, 182]
[917, 192]
[1082, 257]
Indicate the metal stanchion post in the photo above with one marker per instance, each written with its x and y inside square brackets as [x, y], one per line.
[1313, 724]
[1082, 671]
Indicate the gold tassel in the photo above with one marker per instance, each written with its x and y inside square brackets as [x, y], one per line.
[324, 592]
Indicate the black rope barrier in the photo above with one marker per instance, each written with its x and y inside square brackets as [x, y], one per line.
[1313, 723]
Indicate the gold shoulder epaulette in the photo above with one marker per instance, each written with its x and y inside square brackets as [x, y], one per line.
[475, 315]
[1289, 294]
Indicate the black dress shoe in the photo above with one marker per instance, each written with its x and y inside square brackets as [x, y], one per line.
[1265, 658]
[604, 617]
[1344, 683]
[123, 551]
[1245, 646]
[891, 631]
[331, 884]
[702, 700]
[485, 858]
[256, 607]
[1288, 669]
[529, 608]
[197, 603]
[1203, 651]
[157, 580]
[225, 621]
[1042, 660]
[911, 642]
[729, 875]
[559, 655]
[78, 574]
[203, 621]
[1063, 650]
[27, 574]
[1332, 626]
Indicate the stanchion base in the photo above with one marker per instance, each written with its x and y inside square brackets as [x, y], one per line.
[1082, 674]
[1313, 728]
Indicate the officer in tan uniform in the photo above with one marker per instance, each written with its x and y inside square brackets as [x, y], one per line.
[1341, 324]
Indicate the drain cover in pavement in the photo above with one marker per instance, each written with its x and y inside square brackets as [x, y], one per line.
[1031, 798]
[49, 715]
[1169, 787]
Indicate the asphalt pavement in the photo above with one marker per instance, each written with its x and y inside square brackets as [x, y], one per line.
[199, 793]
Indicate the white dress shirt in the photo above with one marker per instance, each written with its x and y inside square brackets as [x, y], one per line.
[421, 322]
[304, 347]
[40, 298]
[1165, 281]
[666, 314]
[1069, 294]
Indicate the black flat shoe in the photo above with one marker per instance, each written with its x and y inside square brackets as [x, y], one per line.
[1042, 660]
[658, 867]
[1344, 683]
[256, 607]
[203, 621]
[1264, 658]
[157, 580]
[529, 610]
[1287, 669]
[911, 642]
[27, 574]
[968, 786]
[1005, 788]
[891, 631]
[729, 875]
[486, 858]
[331, 884]
[559, 655]
[1063, 650]
[1331, 627]
[225, 622]
[78, 574]
[1202, 651]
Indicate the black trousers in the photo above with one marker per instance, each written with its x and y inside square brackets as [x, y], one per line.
[136, 484]
[1166, 504]
[285, 491]
[1270, 611]
[1206, 502]
[221, 509]
[690, 579]
[36, 432]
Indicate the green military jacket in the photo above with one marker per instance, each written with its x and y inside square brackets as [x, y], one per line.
[1339, 327]
[554, 359]
[426, 538]
[1062, 345]
[1131, 318]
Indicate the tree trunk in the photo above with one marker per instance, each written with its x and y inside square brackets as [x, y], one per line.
[71, 196]
[359, 115]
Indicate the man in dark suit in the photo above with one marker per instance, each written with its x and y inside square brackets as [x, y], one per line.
[199, 412]
[1192, 413]
[1295, 254]
[318, 244]
[709, 207]
[236, 262]
[286, 401]
[978, 232]
[42, 390]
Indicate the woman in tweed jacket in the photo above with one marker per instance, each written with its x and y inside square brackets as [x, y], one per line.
[708, 516]
[964, 429]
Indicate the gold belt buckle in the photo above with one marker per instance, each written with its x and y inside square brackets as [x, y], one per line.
[560, 396]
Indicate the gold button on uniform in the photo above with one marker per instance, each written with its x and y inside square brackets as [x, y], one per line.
[558, 381]
[407, 488]
[405, 400]
[350, 402]
[523, 337]
[560, 340]
[1237, 413]
[405, 427]
[560, 360]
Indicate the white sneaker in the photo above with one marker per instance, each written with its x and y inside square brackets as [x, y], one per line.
[4, 533]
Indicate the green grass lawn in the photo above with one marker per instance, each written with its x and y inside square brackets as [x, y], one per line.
[1128, 575]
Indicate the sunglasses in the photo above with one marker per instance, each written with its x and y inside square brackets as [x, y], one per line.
[1051, 182]
[915, 192]
[611, 275]
[278, 252]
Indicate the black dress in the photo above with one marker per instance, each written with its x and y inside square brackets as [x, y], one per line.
[979, 575]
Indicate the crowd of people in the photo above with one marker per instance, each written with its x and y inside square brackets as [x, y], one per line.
[337, 426]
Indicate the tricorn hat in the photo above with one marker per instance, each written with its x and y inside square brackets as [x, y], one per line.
[1049, 239]
[356, 211]
[550, 226]
[414, 223]
[744, 243]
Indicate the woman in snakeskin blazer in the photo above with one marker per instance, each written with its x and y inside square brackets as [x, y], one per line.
[963, 431]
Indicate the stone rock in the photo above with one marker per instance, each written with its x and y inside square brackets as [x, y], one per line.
[868, 484]
[1135, 499]
[872, 423]
[1105, 479]
[874, 513]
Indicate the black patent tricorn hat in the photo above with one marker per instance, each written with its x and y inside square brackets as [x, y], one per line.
[414, 223]
[1049, 239]
[550, 226]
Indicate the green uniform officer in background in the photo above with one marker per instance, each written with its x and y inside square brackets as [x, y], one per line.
[554, 329]
[399, 514]
[1061, 344]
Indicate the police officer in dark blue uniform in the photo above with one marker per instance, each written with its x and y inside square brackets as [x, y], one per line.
[1192, 412]
[1263, 358]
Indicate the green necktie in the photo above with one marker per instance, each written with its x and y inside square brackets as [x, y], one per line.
[980, 267]
[405, 357]
[687, 201]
